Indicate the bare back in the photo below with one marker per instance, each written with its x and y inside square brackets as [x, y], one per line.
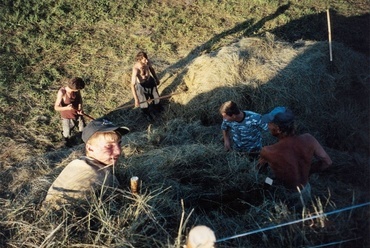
[291, 158]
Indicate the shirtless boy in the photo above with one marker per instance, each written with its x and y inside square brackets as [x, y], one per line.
[144, 83]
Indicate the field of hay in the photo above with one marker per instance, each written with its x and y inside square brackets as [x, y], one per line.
[187, 179]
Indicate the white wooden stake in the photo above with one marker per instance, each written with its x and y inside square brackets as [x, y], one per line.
[329, 33]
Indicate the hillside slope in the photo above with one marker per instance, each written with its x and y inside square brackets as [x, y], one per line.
[258, 53]
[180, 158]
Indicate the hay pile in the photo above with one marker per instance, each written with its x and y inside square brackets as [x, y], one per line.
[260, 74]
[328, 98]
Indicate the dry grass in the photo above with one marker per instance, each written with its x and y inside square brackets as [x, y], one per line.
[186, 177]
[185, 173]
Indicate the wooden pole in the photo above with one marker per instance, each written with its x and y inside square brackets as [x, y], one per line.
[90, 117]
[329, 33]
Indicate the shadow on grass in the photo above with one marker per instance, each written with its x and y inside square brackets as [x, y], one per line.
[350, 31]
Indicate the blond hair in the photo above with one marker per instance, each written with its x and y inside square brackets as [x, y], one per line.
[110, 136]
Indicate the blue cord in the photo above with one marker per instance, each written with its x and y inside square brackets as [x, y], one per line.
[293, 222]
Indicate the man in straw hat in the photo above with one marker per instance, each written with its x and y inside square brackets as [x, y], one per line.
[92, 172]
[242, 127]
[291, 157]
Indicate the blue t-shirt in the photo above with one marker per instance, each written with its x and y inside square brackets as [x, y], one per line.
[246, 135]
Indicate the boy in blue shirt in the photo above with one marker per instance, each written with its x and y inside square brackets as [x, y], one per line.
[241, 130]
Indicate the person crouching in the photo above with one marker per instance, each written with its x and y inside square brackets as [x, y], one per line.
[92, 172]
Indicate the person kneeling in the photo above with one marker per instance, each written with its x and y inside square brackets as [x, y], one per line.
[290, 159]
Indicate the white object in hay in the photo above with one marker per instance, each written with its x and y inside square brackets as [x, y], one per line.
[201, 237]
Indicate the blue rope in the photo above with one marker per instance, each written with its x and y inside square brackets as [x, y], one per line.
[334, 243]
[293, 222]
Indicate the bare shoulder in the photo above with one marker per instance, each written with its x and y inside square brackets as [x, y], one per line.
[306, 136]
[136, 66]
[308, 139]
[266, 150]
[62, 91]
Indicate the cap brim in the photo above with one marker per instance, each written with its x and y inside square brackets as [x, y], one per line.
[269, 117]
[123, 130]
[86, 134]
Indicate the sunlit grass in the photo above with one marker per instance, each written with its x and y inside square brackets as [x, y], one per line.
[200, 51]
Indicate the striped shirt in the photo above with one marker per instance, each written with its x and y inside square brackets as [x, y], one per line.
[246, 134]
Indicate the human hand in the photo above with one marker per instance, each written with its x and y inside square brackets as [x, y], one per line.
[261, 163]
[227, 146]
[69, 107]
[137, 103]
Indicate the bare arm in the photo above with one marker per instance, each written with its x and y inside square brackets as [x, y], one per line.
[324, 161]
[262, 158]
[133, 83]
[58, 103]
[226, 137]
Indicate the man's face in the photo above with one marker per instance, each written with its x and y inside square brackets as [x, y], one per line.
[144, 61]
[105, 151]
[274, 129]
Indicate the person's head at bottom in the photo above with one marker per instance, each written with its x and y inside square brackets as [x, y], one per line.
[201, 237]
